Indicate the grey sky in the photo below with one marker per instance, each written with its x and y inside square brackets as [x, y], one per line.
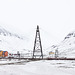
[57, 17]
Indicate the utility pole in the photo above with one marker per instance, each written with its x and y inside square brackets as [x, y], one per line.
[37, 51]
[56, 53]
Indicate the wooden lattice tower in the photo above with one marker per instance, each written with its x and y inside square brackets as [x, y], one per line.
[37, 51]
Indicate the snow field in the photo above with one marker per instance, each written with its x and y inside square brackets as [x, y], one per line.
[51, 67]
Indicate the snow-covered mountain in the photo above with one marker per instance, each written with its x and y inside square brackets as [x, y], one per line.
[4, 32]
[12, 42]
[67, 47]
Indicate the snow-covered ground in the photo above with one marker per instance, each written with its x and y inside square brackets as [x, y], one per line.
[51, 67]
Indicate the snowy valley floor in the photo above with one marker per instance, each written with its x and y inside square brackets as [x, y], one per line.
[43, 67]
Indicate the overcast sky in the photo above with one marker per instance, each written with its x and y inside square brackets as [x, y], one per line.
[57, 17]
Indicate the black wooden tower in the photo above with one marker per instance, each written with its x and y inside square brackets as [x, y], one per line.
[37, 51]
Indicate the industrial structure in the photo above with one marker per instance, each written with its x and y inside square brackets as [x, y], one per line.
[37, 51]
